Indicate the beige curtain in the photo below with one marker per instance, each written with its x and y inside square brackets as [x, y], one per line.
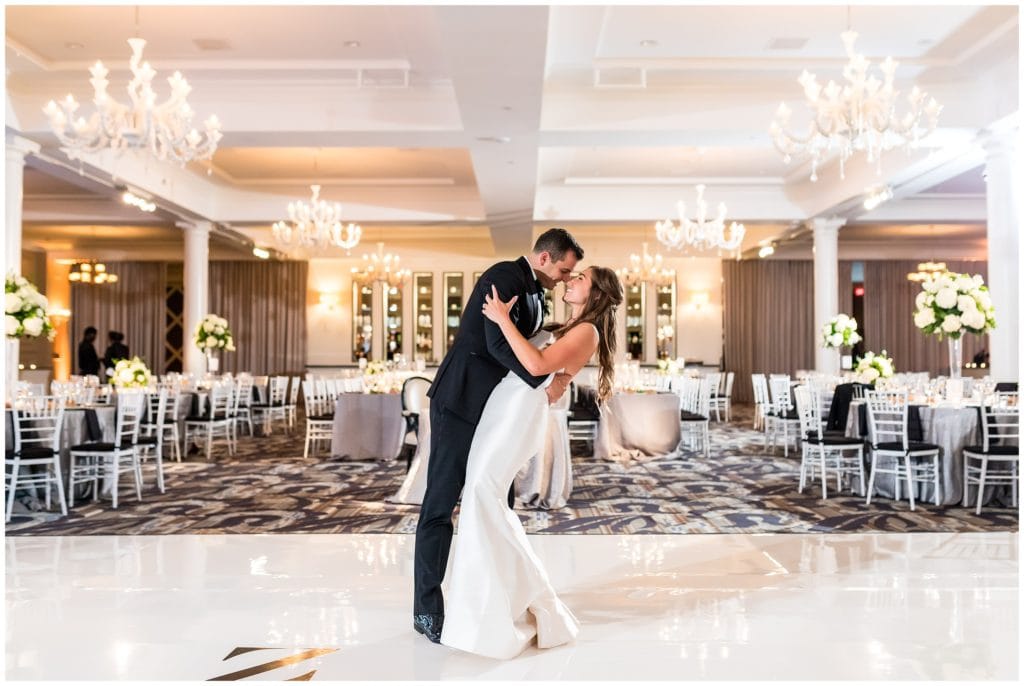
[768, 319]
[135, 305]
[846, 287]
[265, 304]
[889, 317]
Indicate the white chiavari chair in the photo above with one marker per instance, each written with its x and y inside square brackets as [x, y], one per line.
[1000, 447]
[822, 451]
[911, 461]
[92, 461]
[37, 430]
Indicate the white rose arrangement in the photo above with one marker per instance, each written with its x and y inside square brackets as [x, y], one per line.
[131, 373]
[377, 378]
[951, 304]
[25, 309]
[668, 366]
[213, 334]
[840, 332]
[872, 367]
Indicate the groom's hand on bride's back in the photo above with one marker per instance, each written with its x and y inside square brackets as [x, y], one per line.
[556, 389]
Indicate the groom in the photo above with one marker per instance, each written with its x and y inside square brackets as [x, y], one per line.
[477, 361]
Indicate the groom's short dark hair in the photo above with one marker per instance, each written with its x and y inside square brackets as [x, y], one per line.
[556, 242]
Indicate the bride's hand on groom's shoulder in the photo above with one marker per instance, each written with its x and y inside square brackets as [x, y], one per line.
[496, 310]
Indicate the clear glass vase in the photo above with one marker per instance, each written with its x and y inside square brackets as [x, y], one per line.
[212, 363]
[956, 357]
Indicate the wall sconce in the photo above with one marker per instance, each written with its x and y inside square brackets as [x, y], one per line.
[700, 300]
[330, 299]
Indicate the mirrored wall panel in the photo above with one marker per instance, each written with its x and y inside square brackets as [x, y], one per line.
[423, 311]
[362, 322]
[665, 317]
[453, 302]
[392, 321]
[635, 298]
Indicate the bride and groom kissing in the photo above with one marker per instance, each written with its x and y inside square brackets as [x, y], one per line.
[488, 418]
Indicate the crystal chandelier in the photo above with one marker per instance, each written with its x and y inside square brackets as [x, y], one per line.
[646, 268]
[927, 270]
[164, 130]
[858, 116]
[317, 224]
[701, 234]
[381, 267]
[91, 272]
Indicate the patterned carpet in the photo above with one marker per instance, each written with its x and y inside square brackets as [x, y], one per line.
[268, 488]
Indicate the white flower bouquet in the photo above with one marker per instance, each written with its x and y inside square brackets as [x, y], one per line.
[26, 308]
[840, 332]
[377, 378]
[131, 373]
[872, 367]
[213, 334]
[951, 304]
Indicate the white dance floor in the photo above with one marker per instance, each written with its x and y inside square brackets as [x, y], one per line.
[761, 607]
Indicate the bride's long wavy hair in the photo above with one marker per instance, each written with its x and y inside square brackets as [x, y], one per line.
[606, 295]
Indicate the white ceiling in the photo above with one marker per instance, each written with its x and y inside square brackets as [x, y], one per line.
[501, 126]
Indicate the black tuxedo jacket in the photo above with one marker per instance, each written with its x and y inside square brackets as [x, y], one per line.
[481, 356]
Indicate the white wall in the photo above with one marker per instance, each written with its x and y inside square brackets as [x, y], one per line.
[698, 332]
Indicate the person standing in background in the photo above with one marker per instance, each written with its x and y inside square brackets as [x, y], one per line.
[117, 350]
[88, 360]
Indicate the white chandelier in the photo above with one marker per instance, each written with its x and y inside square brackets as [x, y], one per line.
[317, 224]
[646, 268]
[858, 116]
[381, 267]
[165, 130]
[701, 234]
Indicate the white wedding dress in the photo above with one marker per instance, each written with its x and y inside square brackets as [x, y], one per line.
[499, 597]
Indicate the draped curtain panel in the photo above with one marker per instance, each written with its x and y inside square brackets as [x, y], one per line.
[768, 319]
[889, 317]
[846, 287]
[135, 306]
[265, 304]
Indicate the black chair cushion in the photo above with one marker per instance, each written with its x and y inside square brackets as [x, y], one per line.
[791, 414]
[994, 449]
[206, 418]
[30, 453]
[263, 406]
[828, 433]
[98, 447]
[913, 446]
[146, 440]
[686, 416]
[835, 440]
[322, 418]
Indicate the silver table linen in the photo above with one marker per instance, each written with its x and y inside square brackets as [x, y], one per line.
[638, 426]
[368, 426]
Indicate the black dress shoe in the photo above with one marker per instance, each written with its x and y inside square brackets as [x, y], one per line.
[429, 626]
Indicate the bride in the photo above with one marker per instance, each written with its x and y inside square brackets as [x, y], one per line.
[499, 595]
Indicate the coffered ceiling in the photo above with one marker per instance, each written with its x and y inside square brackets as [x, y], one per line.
[497, 119]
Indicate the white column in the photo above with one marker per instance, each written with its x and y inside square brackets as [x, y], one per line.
[197, 289]
[1003, 253]
[17, 149]
[826, 287]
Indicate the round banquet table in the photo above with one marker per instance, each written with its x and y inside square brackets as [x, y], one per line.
[368, 426]
[638, 426]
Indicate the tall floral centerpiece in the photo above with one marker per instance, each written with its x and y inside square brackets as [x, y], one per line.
[840, 332]
[26, 310]
[212, 336]
[131, 373]
[872, 367]
[26, 317]
[951, 305]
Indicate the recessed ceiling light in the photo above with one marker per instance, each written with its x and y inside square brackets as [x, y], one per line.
[494, 139]
[352, 44]
[787, 43]
[211, 44]
[648, 43]
[71, 45]
[507, 108]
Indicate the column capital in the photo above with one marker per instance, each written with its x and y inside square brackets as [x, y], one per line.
[198, 226]
[19, 147]
[832, 223]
